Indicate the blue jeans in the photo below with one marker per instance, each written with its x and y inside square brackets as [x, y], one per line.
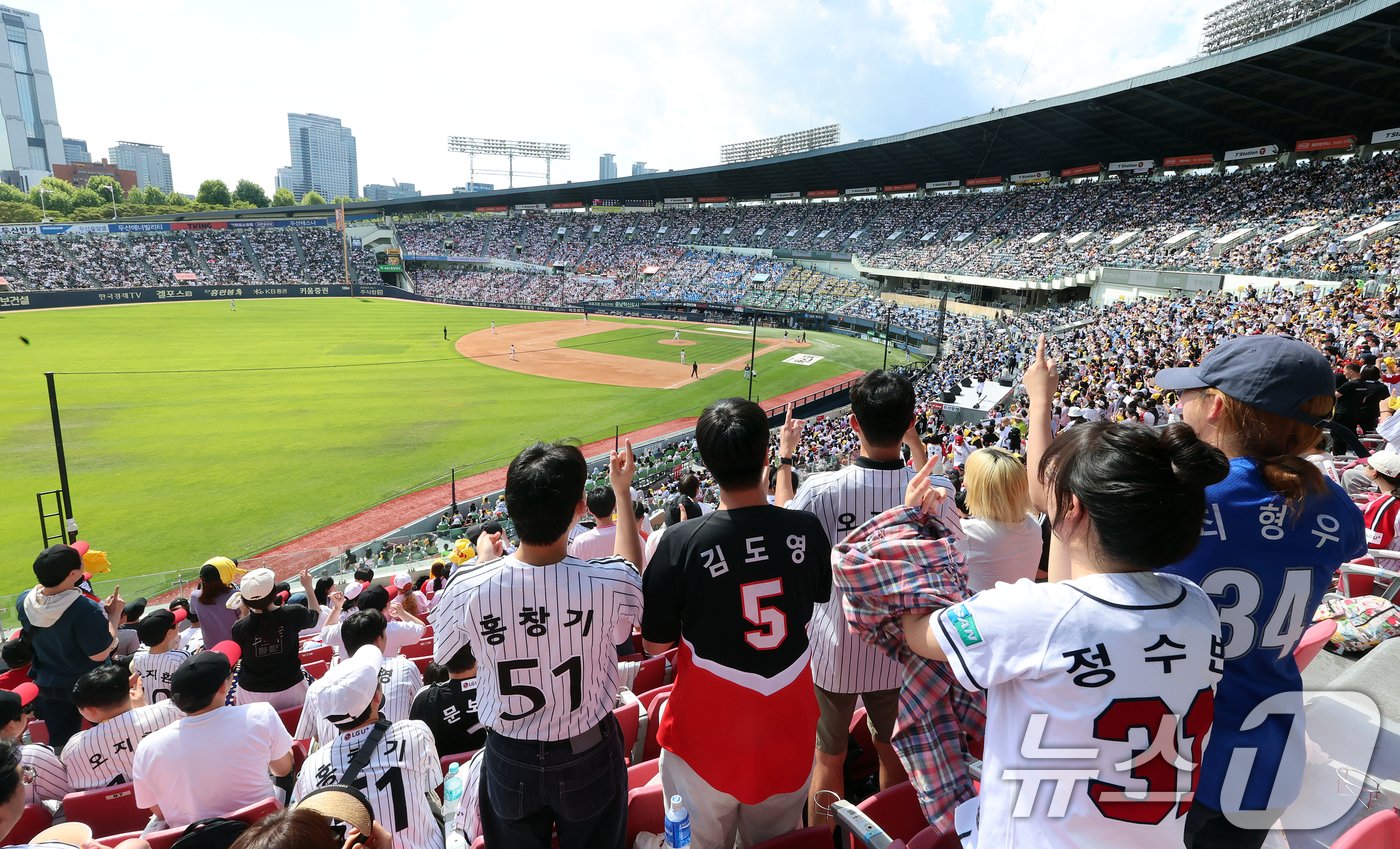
[531, 788]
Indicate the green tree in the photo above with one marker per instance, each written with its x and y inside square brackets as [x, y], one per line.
[54, 201]
[214, 193]
[153, 196]
[312, 198]
[251, 192]
[12, 212]
[284, 197]
[10, 194]
[177, 200]
[239, 203]
[83, 198]
[97, 181]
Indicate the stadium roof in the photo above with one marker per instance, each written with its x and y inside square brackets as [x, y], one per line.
[1336, 75]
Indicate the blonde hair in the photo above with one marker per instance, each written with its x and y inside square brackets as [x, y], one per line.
[997, 490]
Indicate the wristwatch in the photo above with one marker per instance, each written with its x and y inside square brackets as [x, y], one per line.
[785, 461]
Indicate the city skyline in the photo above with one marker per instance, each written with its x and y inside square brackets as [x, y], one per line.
[682, 81]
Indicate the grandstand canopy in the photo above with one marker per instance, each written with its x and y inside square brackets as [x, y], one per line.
[1336, 75]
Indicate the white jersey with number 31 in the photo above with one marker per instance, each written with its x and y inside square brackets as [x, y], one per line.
[1100, 696]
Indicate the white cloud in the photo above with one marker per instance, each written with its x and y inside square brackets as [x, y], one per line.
[926, 28]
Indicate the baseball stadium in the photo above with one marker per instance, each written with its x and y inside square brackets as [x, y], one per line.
[1120, 300]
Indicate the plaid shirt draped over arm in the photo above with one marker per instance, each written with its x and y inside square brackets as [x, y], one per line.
[900, 562]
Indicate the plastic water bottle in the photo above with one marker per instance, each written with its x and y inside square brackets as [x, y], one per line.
[452, 789]
[677, 825]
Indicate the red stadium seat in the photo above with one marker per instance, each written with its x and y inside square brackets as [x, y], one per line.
[932, 838]
[422, 663]
[166, 839]
[109, 810]
[639, 774]
[459, 758]
[655, 708]
[897, 811]
[1378, 831]
[39, 731]
[320, 653]
[816, 837]
[650, 675]
[300, 750]
[646, 811]
[862, 762]
[1313, 641]
[317, 669]
[629, 717]
[35, 819]
[290, 717]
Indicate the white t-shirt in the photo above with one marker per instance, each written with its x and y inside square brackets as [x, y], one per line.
[1115, 673]
[399, 680]
[102, 755]
[597, 543]
[999, 552]
[210, 764]
[398, 636]
[402, 771]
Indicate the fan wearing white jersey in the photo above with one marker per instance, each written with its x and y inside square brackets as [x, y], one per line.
[843, 665]
[50, 782]
[544, 627]
[115, 704]
[399, 680]
[394, 765]
[1100, 685]
[156, 663]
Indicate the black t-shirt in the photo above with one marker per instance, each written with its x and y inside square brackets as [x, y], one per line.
[740, 585]
[449, 709]
[271, 666]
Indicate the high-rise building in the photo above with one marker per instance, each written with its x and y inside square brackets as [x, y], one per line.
[323, 156]
[379, 191]
[607, 168]
[34, 142]
[150, 162]
[284, 178]
[640, 168]
[75, 150]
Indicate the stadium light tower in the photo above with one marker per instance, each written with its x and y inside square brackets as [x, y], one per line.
[472, 147]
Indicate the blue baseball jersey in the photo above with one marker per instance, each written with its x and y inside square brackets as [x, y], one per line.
[1266, 566]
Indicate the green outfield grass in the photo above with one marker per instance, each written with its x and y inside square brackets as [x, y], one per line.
[219, 432]
[645, 342]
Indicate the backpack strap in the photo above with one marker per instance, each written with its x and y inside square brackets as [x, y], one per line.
[365, 752]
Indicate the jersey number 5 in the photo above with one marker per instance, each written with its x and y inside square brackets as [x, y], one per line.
[772, 622]
[573, 667]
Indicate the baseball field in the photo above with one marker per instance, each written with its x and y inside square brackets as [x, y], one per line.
[193, 429]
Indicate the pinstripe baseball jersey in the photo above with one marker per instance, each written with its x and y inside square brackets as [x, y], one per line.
[50, 779]
[545, 640]
[101, 756]
[155, 671]
[399, 680]
[843, 501]
[402, 771]
[192, 640]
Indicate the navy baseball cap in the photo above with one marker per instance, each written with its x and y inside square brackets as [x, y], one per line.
[1276, 374]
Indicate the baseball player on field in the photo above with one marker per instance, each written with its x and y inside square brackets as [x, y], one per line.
[399, 679]
[101, 756]
[544, 627]
[394, 765]
[843, 665]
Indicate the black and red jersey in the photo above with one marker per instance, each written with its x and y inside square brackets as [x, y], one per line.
[736, 588]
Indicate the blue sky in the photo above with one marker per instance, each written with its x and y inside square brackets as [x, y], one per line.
[663, 82]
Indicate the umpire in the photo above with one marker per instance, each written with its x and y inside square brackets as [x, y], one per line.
[544, 626]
